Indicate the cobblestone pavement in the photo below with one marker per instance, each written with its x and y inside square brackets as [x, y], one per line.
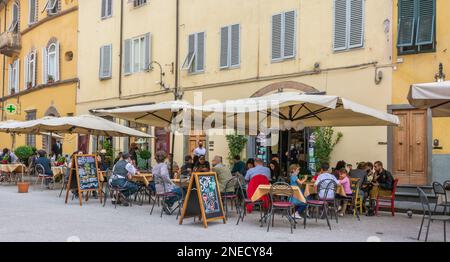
[42, 216]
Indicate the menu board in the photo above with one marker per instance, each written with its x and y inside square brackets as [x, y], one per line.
[86, 166]
[210, 196]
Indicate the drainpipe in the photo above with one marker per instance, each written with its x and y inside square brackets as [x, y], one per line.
[4, 69]
[120, 48]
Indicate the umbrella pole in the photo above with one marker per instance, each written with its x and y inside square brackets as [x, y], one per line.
[97, 143]
[49, 144]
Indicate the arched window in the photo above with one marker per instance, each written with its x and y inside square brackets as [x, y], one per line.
[30, 70]
[50, 62]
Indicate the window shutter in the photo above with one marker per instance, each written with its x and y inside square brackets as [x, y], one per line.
[10, 80]
[57, 63]
[356, 36]
[127, 57]
[32, 14]
[289, 34]
[44, 66]
[340, 25]
[109, 11]
[224, 35]
[425, 22]
[276, 37]
[200, 57]
[148, 52]
[107, 59]
[26, 69]
[235, 45]
[17, 76]
[104, 7]
[101, 63]
[34, 73]
[406, 19]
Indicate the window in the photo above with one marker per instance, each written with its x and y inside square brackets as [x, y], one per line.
[138, 3]
[13, 77]
[283, 35]
[105, 62]
[32, 11]
[230, 46]
[30, 70]
[348, 24]
[50, 63]
[52, 7]
[137, 54]
[195, 59]
[416, 26]
[14, 27]
[106, 8]
[31, 139]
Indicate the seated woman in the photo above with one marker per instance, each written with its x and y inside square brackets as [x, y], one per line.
[123, 170]
[275, 171]
[202, 165]
[345, 182]
[163, 183]
[294, 171]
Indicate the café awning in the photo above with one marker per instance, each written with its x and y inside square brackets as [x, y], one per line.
[435, 96]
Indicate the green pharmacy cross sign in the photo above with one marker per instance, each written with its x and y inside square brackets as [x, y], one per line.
[10, 109]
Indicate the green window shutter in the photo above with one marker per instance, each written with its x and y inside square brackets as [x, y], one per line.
[406, 20]
[425, 22]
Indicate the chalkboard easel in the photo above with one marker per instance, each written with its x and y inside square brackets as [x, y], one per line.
[203, 199]
[85, 170]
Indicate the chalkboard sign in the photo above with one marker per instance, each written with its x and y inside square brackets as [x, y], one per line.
[84, 169]
[203, 199]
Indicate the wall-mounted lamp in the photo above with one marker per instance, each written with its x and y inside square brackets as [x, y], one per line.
[161, 74]
[440, 76]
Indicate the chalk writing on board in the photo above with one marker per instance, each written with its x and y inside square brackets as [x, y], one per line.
[209, 194]
[87, 172]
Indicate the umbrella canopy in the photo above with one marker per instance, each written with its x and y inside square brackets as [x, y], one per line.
[435, 96]
[84, 124]
[159, 115]
[296, 110]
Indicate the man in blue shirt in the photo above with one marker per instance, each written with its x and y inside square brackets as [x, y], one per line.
[45, 162]
[259, 169]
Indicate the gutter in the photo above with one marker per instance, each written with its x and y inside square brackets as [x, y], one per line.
[120, 49]
[4, 69]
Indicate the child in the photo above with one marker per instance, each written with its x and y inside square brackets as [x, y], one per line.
[345, 182]
[294, 171]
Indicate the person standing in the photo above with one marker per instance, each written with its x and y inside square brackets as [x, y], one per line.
[133, 152]
[57, 149]
[200, 150]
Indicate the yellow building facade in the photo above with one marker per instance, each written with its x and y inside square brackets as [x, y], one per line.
[38, 50]
[349, 60]
[421, 145]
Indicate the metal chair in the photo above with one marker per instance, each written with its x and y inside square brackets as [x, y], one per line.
[243, 201]
[229, 193]
[428, 215]
[441, 197]
[40, 170]
[328, 186]
[114, 192]
[65, 181]
[278, 191]
[164, 195]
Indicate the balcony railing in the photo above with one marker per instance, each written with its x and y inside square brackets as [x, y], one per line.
[10, 43]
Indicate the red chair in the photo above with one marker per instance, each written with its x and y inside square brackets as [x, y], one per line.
[251, 188]
[387, 201]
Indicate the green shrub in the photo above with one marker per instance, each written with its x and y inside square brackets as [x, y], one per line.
[145, 154]
[23, 152]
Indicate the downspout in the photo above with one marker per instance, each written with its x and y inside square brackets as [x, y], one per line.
[120, 48]
[176, 83]
[4, 69]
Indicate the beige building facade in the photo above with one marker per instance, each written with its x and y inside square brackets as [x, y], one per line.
[235, 49]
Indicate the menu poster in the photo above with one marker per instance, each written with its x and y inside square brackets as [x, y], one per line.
[87, 172]
[210, 196]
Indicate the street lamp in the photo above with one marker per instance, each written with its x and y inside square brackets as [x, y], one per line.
[178, 94]
[440, 76]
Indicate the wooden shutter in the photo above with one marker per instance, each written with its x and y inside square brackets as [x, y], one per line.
[289, 34]
[57, 66]
[26, 69]
[235, 59]
[200, 56]
[356, 21]
[406, 20]
[425, 22]
[44, 66]
[127, 57]
[276, 37]
[224, 48]
[148, 51]
[340, 25]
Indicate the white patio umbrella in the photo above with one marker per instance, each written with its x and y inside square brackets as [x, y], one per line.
[435, 96]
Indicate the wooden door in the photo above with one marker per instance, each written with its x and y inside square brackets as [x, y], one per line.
[410, 147]
[193, 142]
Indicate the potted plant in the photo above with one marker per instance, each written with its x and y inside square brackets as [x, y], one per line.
[13, 91]
[145, 155]
[61, 161]
[29, 85]
[50, 79]
[23, 153]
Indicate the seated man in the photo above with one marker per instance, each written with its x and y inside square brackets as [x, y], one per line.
[223, 175]
[238, 166]
[45, 162]
[187, 167]
[383, 183]
[202, 165]
[259, 169]
[324, 175]
[123, 170]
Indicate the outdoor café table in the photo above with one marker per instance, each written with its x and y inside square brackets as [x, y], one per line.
[184, 183]
[309, 189]
[10, 169]
[58, 171]
[143, 178]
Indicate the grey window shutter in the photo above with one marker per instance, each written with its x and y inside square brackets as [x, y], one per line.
[107, 59]
[57, 66]
[104, 3]
[406, 20]
[16, 80]
[26, 66]
[32, 14]
[147, 58]
[224, 47]
[200, 57]
[44, 66]
[289, 34]
[276, 37]
[235, 45]
[127, 57]
[110, 6]
[101, 62]
[10, 75]
[425, 22]
[34, 80]
[340, 25]
[356, 37]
